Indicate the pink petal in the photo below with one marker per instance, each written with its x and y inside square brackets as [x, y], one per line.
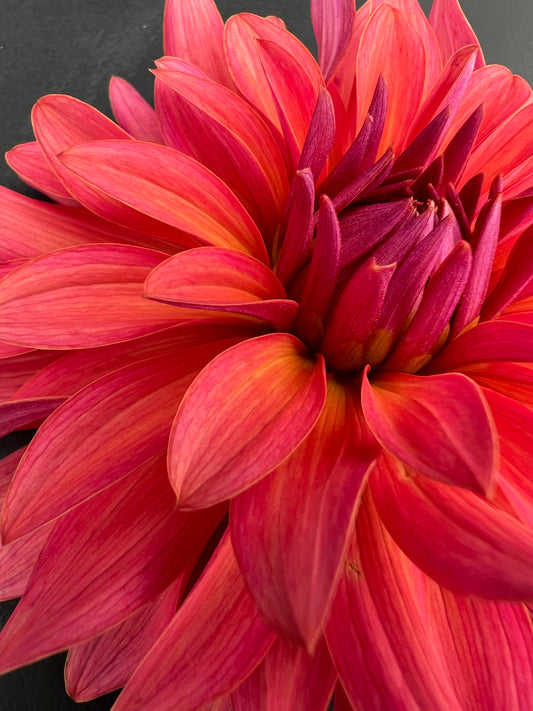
[452, 29]
[133, 113]
[441, 295]
[484, 640]
[294, 525]
[23, 414]
[213, 643]
[80, 368]
[487, 342]
[320, 135]
[126, 546]
[85, 296]
[322, 276]
[224, 133]
[486, 239]
[479, 550]
[333, 23]
[29, 163]
[17, 561]
[184, 195]
[193, 30]
[354, 314]
[16, 371]
[515, 380]
[377, 634]
[516, 277]
[214, 455]
[389, 41]
[105, 663]
[288, 679]
[257, 51]
[440, 425]
[32, 227]
[222, 279]
[100, 434]
[297, 244]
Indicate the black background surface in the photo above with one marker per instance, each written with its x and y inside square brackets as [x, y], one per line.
[73, 47]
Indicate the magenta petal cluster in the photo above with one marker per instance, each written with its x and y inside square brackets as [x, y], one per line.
[276, 335]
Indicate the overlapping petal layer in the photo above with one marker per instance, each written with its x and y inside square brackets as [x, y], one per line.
[276, 335]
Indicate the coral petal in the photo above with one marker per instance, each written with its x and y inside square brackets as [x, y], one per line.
[85, 296]
[212, 454]
[193, 30]
[185, 195]
[480, 549]
[133, 113]
[383, 653]
[333, 22]
[127, 545]
[440, 425]
[288, 679]
[213, 643]
[294, 524]
[452, 29]
[101, 434]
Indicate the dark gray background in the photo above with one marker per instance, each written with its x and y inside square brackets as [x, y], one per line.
[74, 46]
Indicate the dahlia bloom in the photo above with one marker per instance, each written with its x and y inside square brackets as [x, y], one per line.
[277, 339]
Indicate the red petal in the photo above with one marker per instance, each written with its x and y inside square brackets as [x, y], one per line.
[294, 524]
[459, 539]
[243, 415]
[252, 40]
[224, 133]
[487, 342]
[17, 561]
[22, 414]
[484, 640]
[441, 426]
[214, 642]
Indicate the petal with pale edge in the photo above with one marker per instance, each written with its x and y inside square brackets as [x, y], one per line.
[102, 562]
[441, 426]
[86, 296]
[213, 643]
[288, 679]
[377, 635]
[242, 416]
[452, 29]
[222, 280]
[99, 435]
[459, 539]
[132, 112]
[193, 30]
[294, 524]
[164, 185]
[105, 663]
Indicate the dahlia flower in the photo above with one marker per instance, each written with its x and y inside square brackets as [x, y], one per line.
[277, 339]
